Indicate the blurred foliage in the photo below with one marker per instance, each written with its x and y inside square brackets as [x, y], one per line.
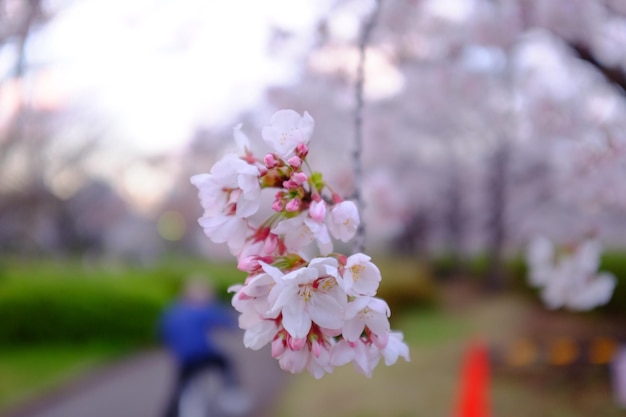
[37, 311]
[48, 301]
[59, 301]
[406, 283]
[169, 273]
[615, 263]
[476, 267]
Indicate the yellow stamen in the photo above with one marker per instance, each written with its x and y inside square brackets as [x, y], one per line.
[357, 271]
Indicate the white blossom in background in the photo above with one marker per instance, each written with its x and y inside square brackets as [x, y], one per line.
[540, 259]
[316, 312]
[570, 279]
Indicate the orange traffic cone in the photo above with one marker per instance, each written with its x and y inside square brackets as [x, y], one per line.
[473, 398]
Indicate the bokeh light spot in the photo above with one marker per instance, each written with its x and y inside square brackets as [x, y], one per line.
[171, 225]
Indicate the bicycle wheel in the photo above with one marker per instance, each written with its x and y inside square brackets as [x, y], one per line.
[200, 397]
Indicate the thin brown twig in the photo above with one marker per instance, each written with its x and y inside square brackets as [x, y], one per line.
[368, 26]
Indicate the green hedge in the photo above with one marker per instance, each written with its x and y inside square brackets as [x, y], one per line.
[69, 302]
[75, 311]
[406, 283]
[169, 274]
[615, 262]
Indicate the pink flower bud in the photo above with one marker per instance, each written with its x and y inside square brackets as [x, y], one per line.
[293, 205]
[277, 205]
[267, 259]
[294, 161]
[299, 178]
[316, 349]
[262, 233]
[278, 347]
[290, 185]
[295, 343]
[248, 264]
[271, 244]
[302, 150]
[270, 160]
[317, 211]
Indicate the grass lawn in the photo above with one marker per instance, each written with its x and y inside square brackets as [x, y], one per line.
[28, 371]
[429, 384]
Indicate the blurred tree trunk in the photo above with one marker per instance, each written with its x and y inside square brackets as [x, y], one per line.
[497, 192]
[413, 240]
[454, 221]
[18, 32]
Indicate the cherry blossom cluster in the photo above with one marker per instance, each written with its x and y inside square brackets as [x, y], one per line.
[591, 176]
[319, 310]
[569, 279]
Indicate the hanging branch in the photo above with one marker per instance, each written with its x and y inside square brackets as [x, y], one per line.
[368, 26]
[613, 74]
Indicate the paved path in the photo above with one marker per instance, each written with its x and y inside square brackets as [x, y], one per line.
[139, 386]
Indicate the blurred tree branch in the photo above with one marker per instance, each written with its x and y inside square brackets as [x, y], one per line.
[16, 27]
[614, 74]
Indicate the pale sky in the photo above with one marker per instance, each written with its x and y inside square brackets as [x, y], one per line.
[158, 68]
[153, 71]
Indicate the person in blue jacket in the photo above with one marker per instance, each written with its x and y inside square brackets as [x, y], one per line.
[185, 329]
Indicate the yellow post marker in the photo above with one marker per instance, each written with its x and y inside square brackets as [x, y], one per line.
[522, 352]
[562, 351]
[602, 350]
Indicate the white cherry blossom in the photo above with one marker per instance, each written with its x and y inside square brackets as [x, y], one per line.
[231, 230]
[367, 312]
[228, 195]
[309, 294]
[540, 259]
[395, 349]
[294, 361]
[302, 230]
[287, 130]
[360, 276]
[232, 187]
[259, 334]
[363, 356]
[343, 220]
[319, 361]
[570, 280]
[574, 286]
[597, 291]
[241, 140]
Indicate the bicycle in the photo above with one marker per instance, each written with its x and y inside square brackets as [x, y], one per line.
[207, 395]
